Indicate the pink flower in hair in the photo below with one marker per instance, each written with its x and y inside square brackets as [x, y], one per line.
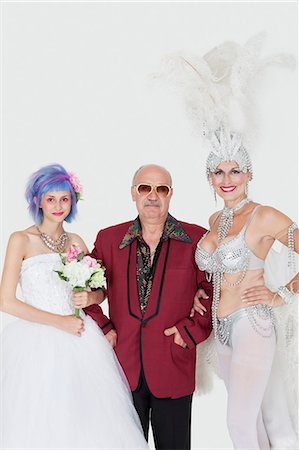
[77, 186]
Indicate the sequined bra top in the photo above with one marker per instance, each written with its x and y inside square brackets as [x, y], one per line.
[231, 256]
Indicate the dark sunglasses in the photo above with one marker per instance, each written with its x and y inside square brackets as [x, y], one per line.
[163, 190]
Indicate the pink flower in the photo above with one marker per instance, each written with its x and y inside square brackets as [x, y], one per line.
[72, 253]
[91, 262]
[75, 182]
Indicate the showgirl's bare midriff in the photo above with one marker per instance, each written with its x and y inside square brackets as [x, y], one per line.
[230, 298]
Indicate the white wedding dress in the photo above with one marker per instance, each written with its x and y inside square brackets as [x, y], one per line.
[60, 390]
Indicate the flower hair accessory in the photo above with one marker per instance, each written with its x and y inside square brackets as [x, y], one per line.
[77, 186]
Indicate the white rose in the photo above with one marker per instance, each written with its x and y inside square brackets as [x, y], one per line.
[77, 273]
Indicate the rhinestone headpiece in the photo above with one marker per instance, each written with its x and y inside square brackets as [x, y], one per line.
[227, 146]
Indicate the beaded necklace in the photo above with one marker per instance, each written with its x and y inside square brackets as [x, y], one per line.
[57, 245]
[227, 218]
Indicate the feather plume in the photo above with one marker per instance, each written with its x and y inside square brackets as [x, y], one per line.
[218, 88]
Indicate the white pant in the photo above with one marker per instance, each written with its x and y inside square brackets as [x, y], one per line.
[257, 414]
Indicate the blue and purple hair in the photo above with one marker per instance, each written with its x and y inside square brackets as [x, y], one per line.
[51, 178]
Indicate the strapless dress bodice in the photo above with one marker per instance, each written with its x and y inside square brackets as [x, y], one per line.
[42, 287]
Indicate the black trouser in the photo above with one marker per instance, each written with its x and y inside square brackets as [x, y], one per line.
[170, 418]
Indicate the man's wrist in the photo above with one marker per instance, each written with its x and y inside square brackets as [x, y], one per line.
[97, 297]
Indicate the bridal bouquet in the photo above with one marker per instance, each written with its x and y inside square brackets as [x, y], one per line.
[82, 272]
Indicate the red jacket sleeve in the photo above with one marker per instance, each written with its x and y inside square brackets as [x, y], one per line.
[198, 328]
[95, 311]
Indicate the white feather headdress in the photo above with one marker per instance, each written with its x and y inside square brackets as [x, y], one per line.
[218, 89]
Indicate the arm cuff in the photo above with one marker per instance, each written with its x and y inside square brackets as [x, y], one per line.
[107, 327]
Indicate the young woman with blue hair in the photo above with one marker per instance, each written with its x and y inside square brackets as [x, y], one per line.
[62, 386]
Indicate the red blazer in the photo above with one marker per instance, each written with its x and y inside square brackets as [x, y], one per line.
[169, 369]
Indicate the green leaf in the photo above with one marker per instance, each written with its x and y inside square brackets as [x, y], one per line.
[63, 277]
[80, 256]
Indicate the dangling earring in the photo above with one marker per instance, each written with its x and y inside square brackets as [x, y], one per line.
[215, 197]
[246, 189]
[211, 186]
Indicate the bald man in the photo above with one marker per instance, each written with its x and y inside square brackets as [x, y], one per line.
[152, 280]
